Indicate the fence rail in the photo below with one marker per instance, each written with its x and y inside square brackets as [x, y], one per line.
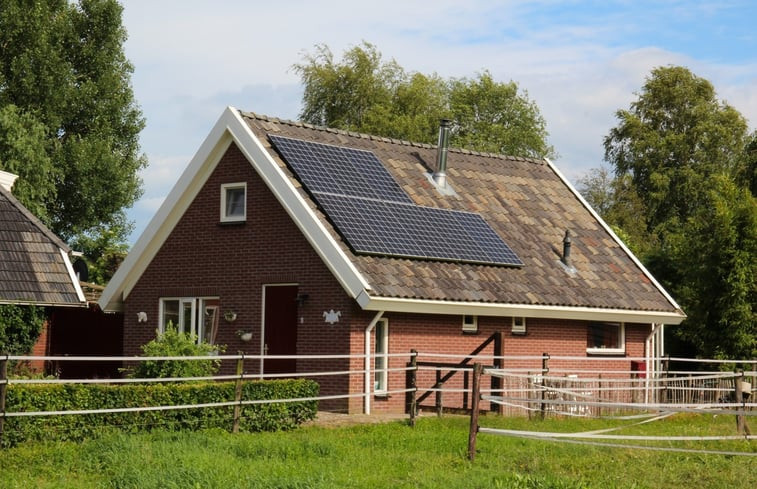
[535, 385]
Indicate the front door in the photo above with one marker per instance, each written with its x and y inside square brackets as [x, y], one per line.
[280, 327]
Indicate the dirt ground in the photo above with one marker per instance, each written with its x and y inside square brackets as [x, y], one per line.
[335, 420]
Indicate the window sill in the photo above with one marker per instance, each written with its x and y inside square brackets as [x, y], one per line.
[616, 352]
[381, 396]
[236, 222]
[470, 333]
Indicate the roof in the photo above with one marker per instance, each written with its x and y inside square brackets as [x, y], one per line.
[34, 263]
[527, 202]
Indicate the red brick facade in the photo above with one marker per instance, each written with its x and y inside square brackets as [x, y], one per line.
[205, 258]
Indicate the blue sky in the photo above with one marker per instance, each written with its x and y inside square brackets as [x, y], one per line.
[579, 61]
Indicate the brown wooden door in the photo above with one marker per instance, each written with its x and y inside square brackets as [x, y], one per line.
[280, 327]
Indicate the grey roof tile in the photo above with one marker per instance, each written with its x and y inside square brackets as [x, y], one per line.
[523, 200]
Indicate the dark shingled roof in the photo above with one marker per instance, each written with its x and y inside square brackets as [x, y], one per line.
[32, 268]
[523, 200]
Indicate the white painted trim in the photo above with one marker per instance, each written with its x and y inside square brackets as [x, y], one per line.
[621, 350]
[304, 217]
[614, 236]
[230, 127]
[178, 200]
[72, 276]
[367, 363]
[421, 306]
[225, 187]
[7, 180]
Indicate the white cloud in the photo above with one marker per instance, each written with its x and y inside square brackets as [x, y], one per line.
[579, 63]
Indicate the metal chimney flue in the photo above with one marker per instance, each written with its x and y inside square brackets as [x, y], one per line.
[566, 242]
[440, 174]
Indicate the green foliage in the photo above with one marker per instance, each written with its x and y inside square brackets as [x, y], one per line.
[23, 141]
[172, 343]
[363, 93]
[57, 397]
[715, 259]
[675, 136]
[63, 74]
[496, 118]
[683, 198]
[103, 250]
[20, 327]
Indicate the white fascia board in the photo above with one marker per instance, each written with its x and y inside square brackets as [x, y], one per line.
[178, 200]
[615, 237]
[73, 277]
[419, 306]
[303, 216]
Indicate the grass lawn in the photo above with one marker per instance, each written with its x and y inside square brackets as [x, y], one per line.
[393, 455]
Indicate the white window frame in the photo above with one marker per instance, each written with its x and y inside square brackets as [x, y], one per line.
[197, 306]
[518, 325]
[381, 357]
[224, 191]
[619, 350]
[470, 324]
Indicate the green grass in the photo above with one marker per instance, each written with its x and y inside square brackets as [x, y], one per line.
[431, 455]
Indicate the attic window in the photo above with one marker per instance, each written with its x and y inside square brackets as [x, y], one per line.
[233, 202]
[470, 324]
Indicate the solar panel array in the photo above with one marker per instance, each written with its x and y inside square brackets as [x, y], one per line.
[375, 216]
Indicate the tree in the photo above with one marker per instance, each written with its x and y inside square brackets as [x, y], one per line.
[674, 137]
[615, 199]
[363, 93]
[688, 161]
[103, 251]
[715, 256]
[63, 73]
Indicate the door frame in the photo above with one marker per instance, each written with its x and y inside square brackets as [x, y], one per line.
[262, 318]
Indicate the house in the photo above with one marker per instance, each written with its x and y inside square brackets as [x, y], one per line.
[284, 238]
[35, 265]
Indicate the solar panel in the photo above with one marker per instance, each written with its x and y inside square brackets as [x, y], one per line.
[337, 170]
[375, 216]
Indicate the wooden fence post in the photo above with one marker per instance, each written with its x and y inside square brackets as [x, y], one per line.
[238, 394]
[413, 386]
[497, 381]
[475, 397]
[544, 372]
[3, 385]
[438, 397]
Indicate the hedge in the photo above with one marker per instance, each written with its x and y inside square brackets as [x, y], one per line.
[76, 427]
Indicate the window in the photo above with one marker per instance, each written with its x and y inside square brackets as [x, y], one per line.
[233, 202]
[194, 315]
[380, 359]
[470, 324]
[519, 325]
[606, 338]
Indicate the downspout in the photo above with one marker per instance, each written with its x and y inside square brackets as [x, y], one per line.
[367, 380]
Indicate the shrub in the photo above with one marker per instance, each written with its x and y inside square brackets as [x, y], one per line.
[171, 343]
[65, 397]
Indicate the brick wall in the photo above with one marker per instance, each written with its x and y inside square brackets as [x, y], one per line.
[233, 262]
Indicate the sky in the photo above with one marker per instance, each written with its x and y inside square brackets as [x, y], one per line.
[579, 61]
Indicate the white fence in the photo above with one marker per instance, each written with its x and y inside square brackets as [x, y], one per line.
[571, 386]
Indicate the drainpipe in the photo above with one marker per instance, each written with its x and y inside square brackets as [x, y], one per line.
[367, 380]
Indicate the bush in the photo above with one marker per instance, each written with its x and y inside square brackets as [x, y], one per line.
[171, 343]
[66, 397]
[20, 327]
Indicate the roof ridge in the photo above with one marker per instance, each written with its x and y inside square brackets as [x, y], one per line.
[385, 139]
